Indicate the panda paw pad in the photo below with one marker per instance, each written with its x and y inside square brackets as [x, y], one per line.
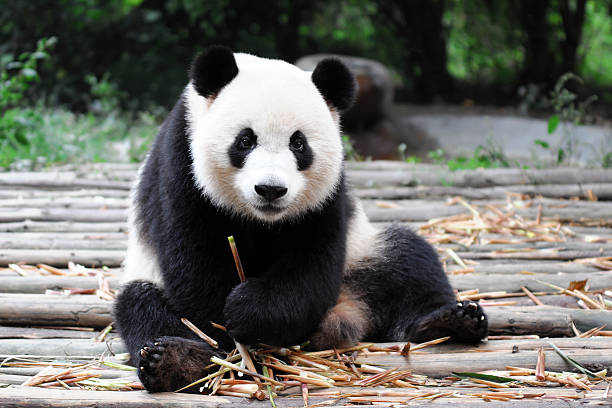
[463, 321]
[468, 320]
[170, 363]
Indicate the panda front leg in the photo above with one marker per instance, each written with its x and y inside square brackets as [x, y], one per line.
[284, 306]
[168, 355]
[408, 295]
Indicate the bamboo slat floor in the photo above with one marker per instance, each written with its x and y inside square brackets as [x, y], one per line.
[521, 242]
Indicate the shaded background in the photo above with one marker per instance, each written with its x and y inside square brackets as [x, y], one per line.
[131, 56]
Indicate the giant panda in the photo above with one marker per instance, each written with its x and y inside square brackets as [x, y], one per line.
[252, 149]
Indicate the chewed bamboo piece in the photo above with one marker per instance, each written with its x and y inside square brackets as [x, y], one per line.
[466, 229]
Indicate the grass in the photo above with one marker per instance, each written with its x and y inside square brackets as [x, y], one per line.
[60, 136]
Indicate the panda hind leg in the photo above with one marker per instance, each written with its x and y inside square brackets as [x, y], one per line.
[344, 325]
[168, 356]
[409, 295]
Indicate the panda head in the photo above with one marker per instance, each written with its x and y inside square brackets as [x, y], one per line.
[265, 135]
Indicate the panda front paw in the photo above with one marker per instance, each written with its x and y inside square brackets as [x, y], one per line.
[464, 321]
[252, 317]
[170, 363]
[243, 314]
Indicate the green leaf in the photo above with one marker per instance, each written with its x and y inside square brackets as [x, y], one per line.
[553, 123]
[542, 143]
[574, 362]
[29, 73]
[487, 377]
[14, 65]
[560, 155]
[40, 55]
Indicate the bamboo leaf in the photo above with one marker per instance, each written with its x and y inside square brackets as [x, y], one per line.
[118, 366]
[487, 377]
[573, 362]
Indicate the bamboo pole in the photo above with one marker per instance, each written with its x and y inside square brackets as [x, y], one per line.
[61, 257]
[513, 283]
[54, 310]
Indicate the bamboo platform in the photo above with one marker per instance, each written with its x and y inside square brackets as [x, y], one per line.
[534, 247]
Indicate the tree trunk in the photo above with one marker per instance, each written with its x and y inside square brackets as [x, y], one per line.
[573, 19]
[539, 61]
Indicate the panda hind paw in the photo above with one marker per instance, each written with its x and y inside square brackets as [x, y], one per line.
[464, 321]
[170, 363]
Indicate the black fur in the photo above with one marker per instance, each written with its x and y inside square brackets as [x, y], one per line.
[213, 69]
[335, 82]
[298, 144]
[244, 144]
[409, 295]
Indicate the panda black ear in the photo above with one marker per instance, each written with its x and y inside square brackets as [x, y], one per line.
[335, 82]
[213, 69]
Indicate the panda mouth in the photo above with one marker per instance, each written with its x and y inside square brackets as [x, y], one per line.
[269, 209]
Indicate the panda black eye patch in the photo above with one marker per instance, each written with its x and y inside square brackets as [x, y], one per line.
[244, 143]
[301, 150]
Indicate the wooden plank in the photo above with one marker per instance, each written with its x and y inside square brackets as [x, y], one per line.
[528, 267]
[62, 243]
[25, 193]
[10, 332]
[39, 284]
[61, 257]
[443, 364]
[54, 310]
[14, 397]
[601, 190]
[100, 214]
[61, 347]
[541, 320]
[513, 283]
[65, 202]
[593, 343]
[62, 226]
[479, 177]
[53, 398]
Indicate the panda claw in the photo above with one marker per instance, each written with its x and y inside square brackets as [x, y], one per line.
[143, 352]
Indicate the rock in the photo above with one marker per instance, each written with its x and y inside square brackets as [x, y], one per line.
[375, 93]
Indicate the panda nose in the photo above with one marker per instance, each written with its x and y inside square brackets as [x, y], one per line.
[270, 193]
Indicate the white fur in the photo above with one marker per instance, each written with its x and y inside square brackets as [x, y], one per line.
[363, 242]
[275, 99]
[140, 260]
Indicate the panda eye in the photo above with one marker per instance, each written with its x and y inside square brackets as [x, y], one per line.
[245, 143]
[246, 139]
[296, 143]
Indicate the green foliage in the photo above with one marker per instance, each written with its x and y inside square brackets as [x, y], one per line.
[33, 135]
[62, 136]
[484, 44]
[401, 150]
[553, 122]
[480, 159]
[349, 150]
[438, 156]
[594, 52]
[483, 157]
[17, 75]
[570, 111]
[606, 161]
